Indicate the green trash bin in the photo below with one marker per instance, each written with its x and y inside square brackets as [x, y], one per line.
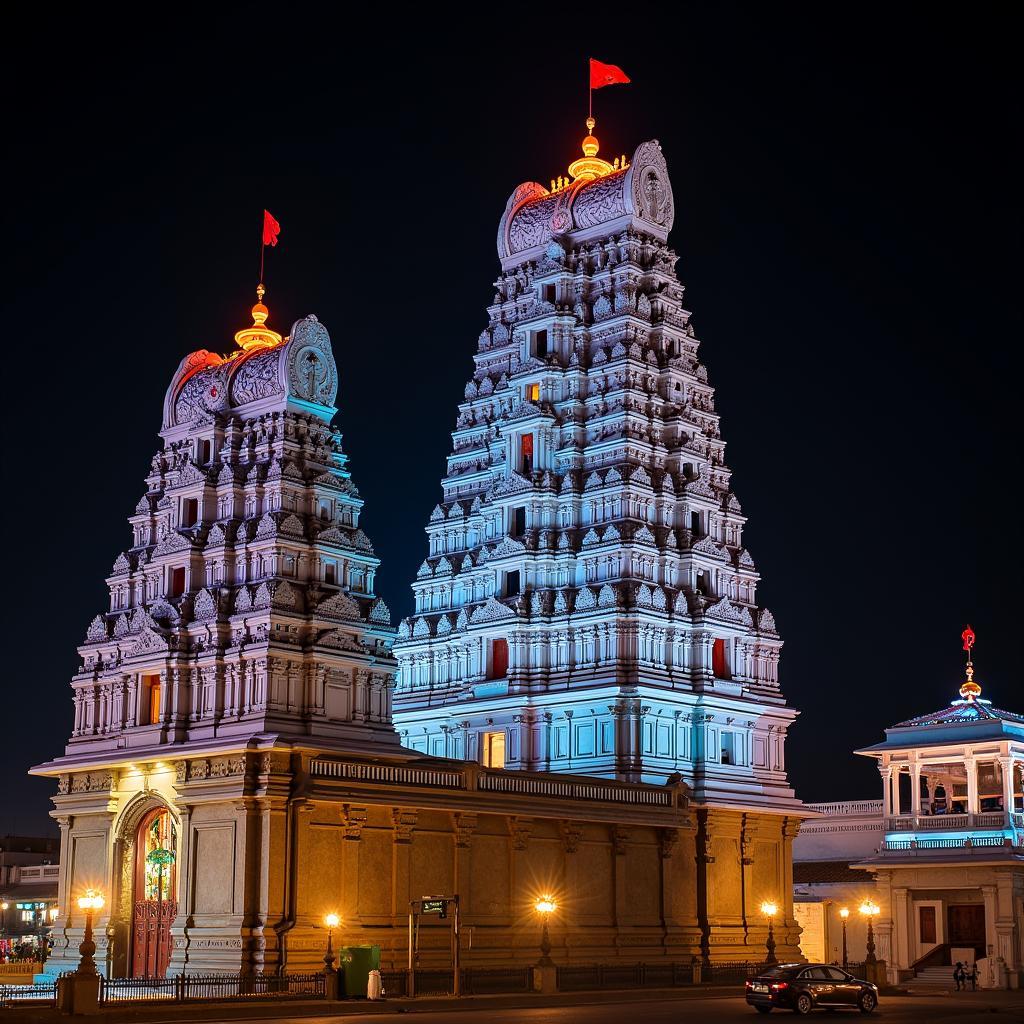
[356, 964]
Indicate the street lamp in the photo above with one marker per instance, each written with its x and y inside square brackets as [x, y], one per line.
[332, 921]
[545, 906]
[90, 901]
[3, 917]
[844, 913]
[870, 910]
[770, 909]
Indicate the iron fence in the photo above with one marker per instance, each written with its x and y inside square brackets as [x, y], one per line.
[27, 995]
[195, 988]
[583, 977]
[476, 981]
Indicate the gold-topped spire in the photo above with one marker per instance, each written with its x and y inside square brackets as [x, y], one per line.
[590, 165]
[258, 336]
[970, 691]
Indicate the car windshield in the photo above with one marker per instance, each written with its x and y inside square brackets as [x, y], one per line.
[782, 971]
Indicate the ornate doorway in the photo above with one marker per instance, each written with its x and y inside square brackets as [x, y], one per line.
[155, 888]
[967, 926]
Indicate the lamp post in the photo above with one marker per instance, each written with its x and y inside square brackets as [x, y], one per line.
[90, 901]
[3, 917]
[770, 909]
[870, 910]
[545, 906]
[332, 921]
[844, 913]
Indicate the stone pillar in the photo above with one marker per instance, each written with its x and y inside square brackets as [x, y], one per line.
[990, 895]
[971, 764]
[915, 790]
[1006, 765]
[902, 929]
[886, 773]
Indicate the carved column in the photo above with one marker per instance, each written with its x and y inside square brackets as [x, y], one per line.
[403, 821]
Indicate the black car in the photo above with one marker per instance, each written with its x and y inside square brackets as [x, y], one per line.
[802, 987]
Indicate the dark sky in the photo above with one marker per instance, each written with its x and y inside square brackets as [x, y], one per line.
[848, 217]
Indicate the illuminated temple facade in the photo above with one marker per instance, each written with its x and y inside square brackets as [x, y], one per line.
[587, 603]
[233, 774]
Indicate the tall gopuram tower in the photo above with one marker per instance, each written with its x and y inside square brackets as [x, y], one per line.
[242, 627]
[587, 604]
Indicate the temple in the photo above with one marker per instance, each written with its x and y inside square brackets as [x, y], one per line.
[587, 604]
[233, 777]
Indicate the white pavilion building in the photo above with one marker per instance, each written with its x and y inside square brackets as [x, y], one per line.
[950, 868]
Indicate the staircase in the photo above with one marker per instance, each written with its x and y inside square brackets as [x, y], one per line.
[933, 979]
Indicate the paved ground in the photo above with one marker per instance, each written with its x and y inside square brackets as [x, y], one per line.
[614, 1008]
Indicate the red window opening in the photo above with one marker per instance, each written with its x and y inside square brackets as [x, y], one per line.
[177, 582]
[719, 666]
[526, 452]
[499, 659]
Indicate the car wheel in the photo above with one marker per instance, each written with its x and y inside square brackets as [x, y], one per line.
[867, 1002]
[804, 1003]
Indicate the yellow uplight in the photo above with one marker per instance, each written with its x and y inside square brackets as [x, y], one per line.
[769, 909]
[332, 920]
[4, 905]
[545, 905]
[91, 900]
[844, 913]
[869, 908]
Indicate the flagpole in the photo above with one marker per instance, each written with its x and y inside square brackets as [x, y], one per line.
[263, 249]
[590, 83]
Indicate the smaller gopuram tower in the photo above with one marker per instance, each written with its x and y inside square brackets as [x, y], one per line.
[242, 626]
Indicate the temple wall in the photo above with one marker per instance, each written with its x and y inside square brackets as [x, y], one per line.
[265, 851]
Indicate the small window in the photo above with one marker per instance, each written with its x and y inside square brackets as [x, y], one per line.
[728, 748]
[177, 582]
[540, 344]
[493, 749]
[695, 523]
[927, 919]
[526, 453]
[719, 660]
[548, 293]
[499, 659]
[325, 512]
[518, 521]
[533, 393]
[688, 470]
[190, 512]
[205, 450]
[512, 584]
[150, 700]
[330, 573]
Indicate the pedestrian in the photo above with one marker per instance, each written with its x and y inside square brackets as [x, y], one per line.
[958, 975]
[974, 977]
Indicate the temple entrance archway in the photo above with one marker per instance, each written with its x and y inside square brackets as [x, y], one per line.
[154, 903]
[146, 900]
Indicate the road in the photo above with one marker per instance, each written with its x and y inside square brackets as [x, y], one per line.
[614, 1008]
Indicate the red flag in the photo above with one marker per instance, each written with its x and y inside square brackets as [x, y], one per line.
[968, 638]
[271, 229]
[606, 74]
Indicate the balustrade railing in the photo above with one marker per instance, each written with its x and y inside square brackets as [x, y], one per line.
[513, 783]
[952, 822]
[848, 808]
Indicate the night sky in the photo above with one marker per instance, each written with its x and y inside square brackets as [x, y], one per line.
[848, 221]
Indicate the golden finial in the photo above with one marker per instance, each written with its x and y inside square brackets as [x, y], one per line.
[590, 165]
[258, 336]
